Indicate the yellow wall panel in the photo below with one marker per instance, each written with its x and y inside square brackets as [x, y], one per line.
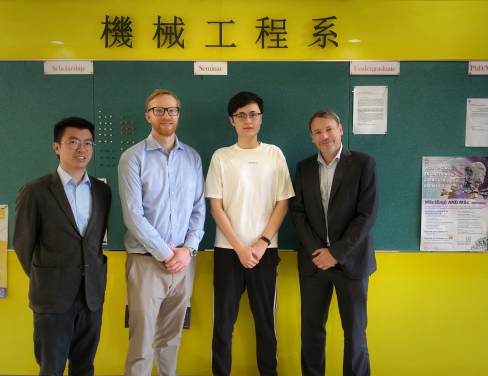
[398, 30]
[427, 317]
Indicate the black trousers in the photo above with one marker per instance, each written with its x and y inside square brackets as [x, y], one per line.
[316, 293]
[230, 282]
[72, 336]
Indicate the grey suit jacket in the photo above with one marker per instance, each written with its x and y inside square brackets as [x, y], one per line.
[353, 206]
[51, 250]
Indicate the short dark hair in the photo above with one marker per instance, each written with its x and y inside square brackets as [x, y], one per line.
[243, 99]
[325, 113]
[74, 122]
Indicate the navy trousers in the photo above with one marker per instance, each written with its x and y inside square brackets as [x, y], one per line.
[72, 336]
[316, 293]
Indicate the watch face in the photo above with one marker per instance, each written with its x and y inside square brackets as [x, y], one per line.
[193, 252]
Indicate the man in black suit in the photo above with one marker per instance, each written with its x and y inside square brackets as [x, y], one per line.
[333, 212]
[59, 226]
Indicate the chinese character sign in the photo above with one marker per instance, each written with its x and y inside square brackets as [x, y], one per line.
[271, 33]
[117, 31]
[170, 31]
[323, 36]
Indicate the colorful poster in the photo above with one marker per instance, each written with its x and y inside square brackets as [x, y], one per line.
[3, 250]
[454, 204]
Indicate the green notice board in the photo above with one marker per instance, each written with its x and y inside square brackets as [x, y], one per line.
[426, 116]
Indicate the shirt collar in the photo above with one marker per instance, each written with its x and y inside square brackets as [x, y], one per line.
[320, 159]
[66, 178]
[152, 144]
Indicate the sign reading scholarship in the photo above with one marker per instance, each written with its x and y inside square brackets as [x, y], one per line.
[454, 204]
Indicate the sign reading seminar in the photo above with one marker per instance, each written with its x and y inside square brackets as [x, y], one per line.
[210, 68]
[68, 67]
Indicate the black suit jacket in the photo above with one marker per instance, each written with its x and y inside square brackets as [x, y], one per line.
[51, 250]
[353, 206]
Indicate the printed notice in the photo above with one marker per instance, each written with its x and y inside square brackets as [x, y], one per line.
[454, 204]
[370, 110]
[477, 122]
[3, 250]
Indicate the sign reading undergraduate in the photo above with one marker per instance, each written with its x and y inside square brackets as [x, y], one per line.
[375, 68]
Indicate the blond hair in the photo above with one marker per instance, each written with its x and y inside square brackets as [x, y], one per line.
[158, 92]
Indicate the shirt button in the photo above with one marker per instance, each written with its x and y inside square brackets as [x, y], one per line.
[173, 210]
[172, 193]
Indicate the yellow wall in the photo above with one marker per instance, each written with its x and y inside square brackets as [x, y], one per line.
[398, 30]
[427, 317]
[427, 312]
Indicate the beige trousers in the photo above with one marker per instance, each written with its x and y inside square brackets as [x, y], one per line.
[157, 306]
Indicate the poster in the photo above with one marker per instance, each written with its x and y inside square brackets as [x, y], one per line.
[477, 122]
[370, 110]
[3, 250]
[454, 204]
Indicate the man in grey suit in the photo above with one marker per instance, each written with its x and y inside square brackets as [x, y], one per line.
[59, 226]
[333, 212]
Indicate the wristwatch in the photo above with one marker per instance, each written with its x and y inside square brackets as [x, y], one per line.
[193, 252]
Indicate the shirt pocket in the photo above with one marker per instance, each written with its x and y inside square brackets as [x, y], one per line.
[188, 183]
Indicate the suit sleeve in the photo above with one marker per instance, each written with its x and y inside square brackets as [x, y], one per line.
[367, 210]
[26, 227]
[308, 237]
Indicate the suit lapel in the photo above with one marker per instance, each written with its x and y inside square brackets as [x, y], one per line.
[58, 191]
[344, 162]
[315, 181]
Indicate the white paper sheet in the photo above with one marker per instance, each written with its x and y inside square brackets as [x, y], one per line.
[370, 110]
[477, 122]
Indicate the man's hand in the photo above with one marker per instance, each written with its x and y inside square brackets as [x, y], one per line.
[260, 247]
[179, 261]
[323, 259]
[248, 256]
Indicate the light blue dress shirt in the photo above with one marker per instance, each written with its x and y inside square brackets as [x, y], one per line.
[79, 197]
[162, 196]
[326, 176]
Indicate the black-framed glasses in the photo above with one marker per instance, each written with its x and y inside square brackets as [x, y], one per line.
[159, 111]
[75, 144]
[252, 115]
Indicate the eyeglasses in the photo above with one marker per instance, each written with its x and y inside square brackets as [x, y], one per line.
[75, 144]
[252, 115]
[159, 111]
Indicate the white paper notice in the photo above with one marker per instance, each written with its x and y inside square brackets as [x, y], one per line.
[370, 110]
[477, 122]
